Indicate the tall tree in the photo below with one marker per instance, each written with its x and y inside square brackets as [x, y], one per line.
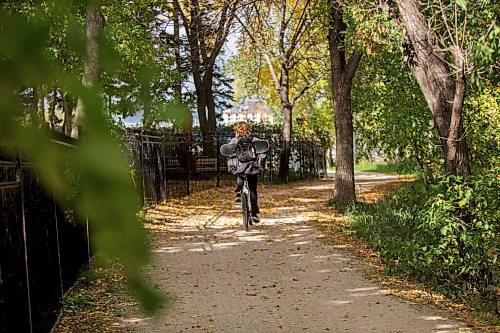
[281, 32]
[207, 25]
[343, 70]
[442, 82]
[94, 27]
[145, 75]
[172, 33]
[177, 52]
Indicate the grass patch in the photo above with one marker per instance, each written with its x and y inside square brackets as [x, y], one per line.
[398, 168]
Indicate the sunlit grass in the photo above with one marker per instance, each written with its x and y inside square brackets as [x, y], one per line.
[398, 168]
[384, 167]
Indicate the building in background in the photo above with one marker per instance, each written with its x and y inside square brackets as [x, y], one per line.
[251, 110]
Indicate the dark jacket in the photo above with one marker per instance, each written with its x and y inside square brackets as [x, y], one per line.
[248, 168]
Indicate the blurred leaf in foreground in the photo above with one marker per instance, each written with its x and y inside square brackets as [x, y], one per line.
[106, 196]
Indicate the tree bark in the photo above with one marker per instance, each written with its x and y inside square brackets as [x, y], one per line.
[177, 55]
[52, 110]
[41, 105]
[68, 114]
[286, 109]
[344, 172]
[95, 25]
[211, 120]
[443, 88]
[205, 45]
[147, 122]
[457, 157]
[342, 75]
[207, 120]
[186, 125]
[33, 110]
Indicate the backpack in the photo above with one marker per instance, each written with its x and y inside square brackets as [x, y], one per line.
[245, 150]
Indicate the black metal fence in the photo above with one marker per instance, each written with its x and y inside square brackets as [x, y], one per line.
[167, 165]
[42, 250]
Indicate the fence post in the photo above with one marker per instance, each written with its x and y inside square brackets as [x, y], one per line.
[188, 167]
[325, 161]
[20, 178]
[163, 150]
[316, 173]
[56, 221]
[218, 158]
[287, 159]
[302, 159]
[141, 154]
[271, 165]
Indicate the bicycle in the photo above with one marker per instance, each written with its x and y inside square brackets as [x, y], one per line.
[246, 204]
[229, 150]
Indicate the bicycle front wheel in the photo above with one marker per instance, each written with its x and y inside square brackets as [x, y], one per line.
[245, 207]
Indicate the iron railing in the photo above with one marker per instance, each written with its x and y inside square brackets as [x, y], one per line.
[167, 165]
[42, 249]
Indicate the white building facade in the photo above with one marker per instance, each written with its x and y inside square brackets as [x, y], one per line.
[251, 111]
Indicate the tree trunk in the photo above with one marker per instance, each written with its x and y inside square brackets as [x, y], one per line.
[443, 93]
[177, 55]
[205, 42]
[52, 110]
[201, 103]
[208, 140]
[286, 109]
[68, 114]
[186, 125]
[344, 172]
[203, 110]
[211, 120]
[34, 114]
[342, 75]
[457, 157]
[95, 25]
[41, 105]
[146, 102]
[203, 87]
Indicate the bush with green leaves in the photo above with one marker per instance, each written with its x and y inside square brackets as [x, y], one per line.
[448, 238]
[482, 121]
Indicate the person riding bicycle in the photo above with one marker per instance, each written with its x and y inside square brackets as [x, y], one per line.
[249, 168]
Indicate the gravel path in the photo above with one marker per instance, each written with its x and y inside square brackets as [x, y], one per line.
[278, 277]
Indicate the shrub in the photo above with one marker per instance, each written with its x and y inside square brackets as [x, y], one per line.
[447, 238]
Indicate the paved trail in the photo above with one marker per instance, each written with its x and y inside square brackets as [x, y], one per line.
[276, 278]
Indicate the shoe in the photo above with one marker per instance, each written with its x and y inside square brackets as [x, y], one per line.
[255, 219]
[238, 197]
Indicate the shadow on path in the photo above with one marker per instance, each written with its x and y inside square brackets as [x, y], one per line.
[275, 278]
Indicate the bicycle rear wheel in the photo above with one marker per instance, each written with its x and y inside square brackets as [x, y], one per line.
[246, 209]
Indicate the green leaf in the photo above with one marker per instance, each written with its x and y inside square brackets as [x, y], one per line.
[462, 4]
[93, 176]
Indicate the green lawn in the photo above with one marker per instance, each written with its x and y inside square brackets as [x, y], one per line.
[378, 167]
[384, 167]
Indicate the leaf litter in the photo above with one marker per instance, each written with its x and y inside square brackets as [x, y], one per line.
[99, 300]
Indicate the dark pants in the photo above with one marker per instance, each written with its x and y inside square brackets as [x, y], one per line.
[252, 184]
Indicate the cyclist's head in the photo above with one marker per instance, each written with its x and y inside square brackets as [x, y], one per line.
[242, 129]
